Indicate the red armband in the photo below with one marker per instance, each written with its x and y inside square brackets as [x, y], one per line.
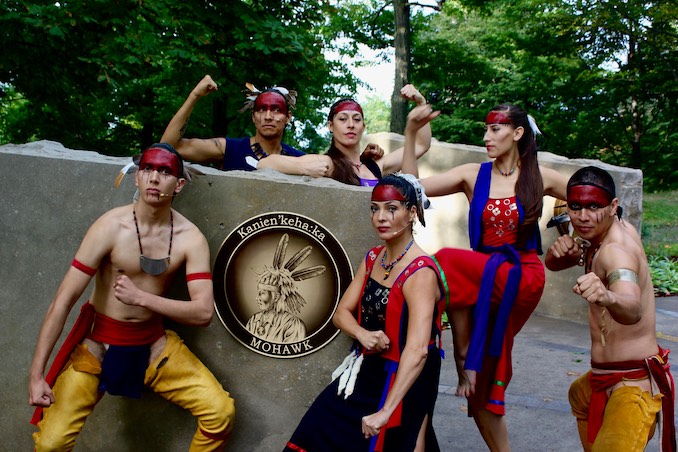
[194, 276]
[84, 268]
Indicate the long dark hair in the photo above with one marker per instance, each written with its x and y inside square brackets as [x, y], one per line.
[530, 185]
[343, 170]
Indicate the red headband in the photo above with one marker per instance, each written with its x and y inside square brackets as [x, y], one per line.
[587, 194]
[387, 193]
[348, 105]
[497, 117]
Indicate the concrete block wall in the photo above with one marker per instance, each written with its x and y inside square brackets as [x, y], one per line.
[50, 195]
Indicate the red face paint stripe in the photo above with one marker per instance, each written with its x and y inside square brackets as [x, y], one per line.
[270, 100]
[586, 195]
[387, 193]
[157, 158]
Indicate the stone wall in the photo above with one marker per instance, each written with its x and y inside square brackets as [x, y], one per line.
[50, 195]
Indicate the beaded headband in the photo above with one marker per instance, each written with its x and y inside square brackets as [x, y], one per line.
[269, 287]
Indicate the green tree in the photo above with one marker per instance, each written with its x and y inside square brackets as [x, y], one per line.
[599, 77]
[381, 25]
[108, 75]
[377, 114]
[635, 99]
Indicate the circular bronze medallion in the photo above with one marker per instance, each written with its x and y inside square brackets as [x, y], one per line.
[278, 278]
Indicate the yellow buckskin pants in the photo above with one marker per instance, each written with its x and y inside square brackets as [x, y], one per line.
[629, 419]
[176, 375]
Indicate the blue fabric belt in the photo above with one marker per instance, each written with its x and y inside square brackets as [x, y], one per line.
[481, 314]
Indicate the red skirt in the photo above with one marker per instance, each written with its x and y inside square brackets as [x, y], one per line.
[463, 270]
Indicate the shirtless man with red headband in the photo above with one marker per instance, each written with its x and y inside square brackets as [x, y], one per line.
[118, 344]
[616, 403]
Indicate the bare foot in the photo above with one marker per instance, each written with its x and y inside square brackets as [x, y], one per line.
[467, 383]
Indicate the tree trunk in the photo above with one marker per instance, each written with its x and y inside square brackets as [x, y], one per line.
[636, 160]
[402, 64]
[219, 117]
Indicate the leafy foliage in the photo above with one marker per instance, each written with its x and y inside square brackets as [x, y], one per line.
[660, 223]
[598, 76]
[664, 273]
[108, 75]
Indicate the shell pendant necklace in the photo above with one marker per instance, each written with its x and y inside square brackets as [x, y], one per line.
[388, 267]
[154, 267]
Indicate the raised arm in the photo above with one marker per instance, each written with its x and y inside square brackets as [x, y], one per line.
[421, 292]
[555, 183]
[420, 139]
[194, 149]
[417, 137]
[313, 165]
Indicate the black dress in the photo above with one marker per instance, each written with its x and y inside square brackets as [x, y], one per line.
[333, 423]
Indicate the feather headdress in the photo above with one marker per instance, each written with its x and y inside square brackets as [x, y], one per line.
[252, 92]
[281, 278]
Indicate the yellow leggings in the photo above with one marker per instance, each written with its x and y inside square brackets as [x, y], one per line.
[629, 419]
[176, 375]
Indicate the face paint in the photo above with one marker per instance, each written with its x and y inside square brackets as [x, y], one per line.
[387, 193]
[160, 160]
[497, 117]
[271, 101]
[348, 105]
[587, 197]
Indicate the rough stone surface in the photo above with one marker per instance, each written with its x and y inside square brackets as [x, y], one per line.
[50, 196]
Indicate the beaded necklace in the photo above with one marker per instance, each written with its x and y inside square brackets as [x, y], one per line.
[259, 152]
[389, 267]
[154, 267]
[504, 173]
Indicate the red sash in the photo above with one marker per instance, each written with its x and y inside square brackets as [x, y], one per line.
[106, 330]
[655, 367]
[116, 332]
[80, 329]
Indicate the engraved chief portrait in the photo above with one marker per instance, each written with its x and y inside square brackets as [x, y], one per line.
[278, 278]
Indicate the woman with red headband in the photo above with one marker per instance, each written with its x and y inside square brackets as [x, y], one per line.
[347, 124]
[383, 394]
[344, 160]
[502, 278]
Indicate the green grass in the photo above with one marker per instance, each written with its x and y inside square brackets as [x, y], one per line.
[660, 238]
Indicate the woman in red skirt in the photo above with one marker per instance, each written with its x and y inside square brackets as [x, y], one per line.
[493, 288]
